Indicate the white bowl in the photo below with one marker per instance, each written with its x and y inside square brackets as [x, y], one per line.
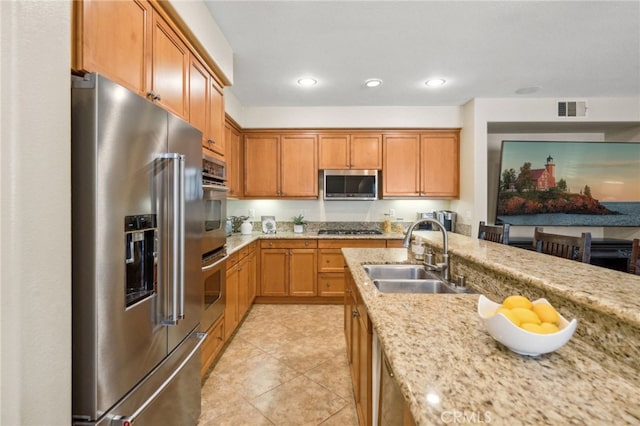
[518, 339]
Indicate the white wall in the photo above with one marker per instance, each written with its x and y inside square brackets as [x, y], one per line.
[353, 117]
[199, 20]
[35, 243]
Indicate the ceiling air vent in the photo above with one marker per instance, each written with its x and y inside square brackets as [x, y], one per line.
[572, 109]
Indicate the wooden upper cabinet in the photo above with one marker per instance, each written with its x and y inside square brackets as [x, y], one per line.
[350, 151]
[280, 166]
[440, 156]
[333, 151]
[206, 106]
[234, 160]
[114, 39]
[198, 96]
[216, 140]
[401, 165]
[422, 165]
[261, 168]
[298, 166]
[366, 151]
[170, 69]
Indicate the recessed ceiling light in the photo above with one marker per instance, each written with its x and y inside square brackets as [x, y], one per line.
[373, 82]
[527, 90]
[435, 82]
[307, 82]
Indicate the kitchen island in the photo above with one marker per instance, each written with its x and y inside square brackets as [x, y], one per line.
[450, 370]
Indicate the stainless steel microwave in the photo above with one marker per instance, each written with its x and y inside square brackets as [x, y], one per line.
[350, 184]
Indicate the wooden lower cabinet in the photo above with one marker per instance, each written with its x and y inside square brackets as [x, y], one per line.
[358, 334]
[240, 288]
[232, 294]
[331, 263]
[212, 346]
[330, 284]
[288, 268]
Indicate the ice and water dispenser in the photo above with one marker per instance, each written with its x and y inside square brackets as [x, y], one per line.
[141, 235]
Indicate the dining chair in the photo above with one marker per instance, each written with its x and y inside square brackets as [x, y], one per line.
[634, 259]
[495, 233]
[568, 247]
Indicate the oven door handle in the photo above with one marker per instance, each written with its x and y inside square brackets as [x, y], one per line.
[215, 187]
[214, 264]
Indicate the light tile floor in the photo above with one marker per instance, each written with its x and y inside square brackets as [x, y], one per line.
[286, 365]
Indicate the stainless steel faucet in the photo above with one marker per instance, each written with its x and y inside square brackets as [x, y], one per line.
[443, 267]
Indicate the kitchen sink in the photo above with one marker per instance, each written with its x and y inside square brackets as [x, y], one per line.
[432, 286]
[398, 271]
[409, 278]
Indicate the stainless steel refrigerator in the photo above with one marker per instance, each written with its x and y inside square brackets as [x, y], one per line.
[137, 222]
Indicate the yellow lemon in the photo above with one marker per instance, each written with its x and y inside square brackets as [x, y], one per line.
[534, 328]
[546, 313]
[507, 313]
[516, 302]
[525, 315]
[549, 327]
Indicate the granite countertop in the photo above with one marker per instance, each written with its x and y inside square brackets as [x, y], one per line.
[448, 366]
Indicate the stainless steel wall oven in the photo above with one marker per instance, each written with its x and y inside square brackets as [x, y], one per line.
[214, 273]
[215, 205]
[214, 239]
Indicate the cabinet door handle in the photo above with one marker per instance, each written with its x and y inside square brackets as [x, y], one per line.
[355, 313]
[153, 97]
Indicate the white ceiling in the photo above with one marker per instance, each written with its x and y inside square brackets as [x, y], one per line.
[572, 49]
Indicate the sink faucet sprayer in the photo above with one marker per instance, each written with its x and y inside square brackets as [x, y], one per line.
[443, 267]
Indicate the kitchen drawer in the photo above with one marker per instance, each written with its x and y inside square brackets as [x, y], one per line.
[244, 251]
[268, 244]
[330, 260]
[331, 284]
[361, 243]
[232, 260]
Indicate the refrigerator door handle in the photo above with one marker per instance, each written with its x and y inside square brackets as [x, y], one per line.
[177, 231]
[130, 420]
[181, 252]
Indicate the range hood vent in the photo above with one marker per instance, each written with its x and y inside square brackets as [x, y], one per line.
[572, 109]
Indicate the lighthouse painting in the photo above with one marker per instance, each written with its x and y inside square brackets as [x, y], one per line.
[569, 183]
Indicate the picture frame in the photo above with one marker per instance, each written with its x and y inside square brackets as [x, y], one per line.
[268, 224]
[569, 183]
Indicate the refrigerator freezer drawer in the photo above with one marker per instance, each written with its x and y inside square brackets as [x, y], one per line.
[169, 395]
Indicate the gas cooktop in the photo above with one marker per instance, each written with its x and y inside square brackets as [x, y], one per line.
[349, 232]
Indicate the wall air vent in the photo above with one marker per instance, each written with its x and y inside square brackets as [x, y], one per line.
[572, 109]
